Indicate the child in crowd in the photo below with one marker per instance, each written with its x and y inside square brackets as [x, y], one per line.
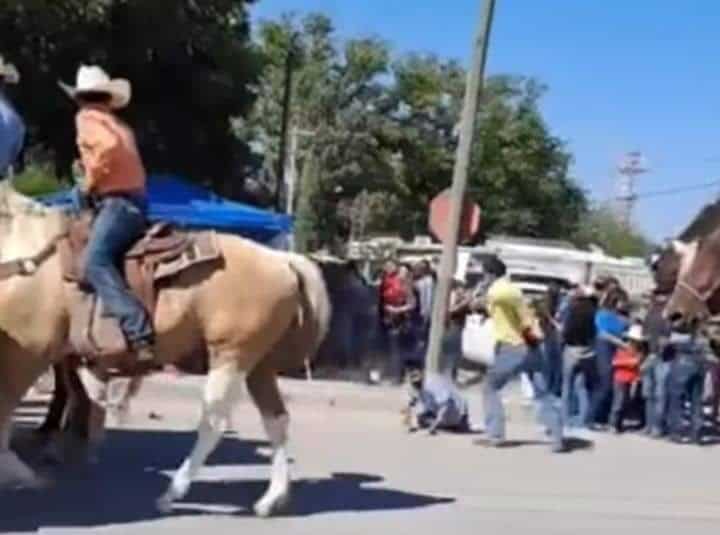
[626, 373]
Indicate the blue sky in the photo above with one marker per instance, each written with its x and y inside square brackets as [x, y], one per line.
[622, 75]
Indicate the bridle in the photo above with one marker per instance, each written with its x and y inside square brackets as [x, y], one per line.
[27, 266]
[701, 298]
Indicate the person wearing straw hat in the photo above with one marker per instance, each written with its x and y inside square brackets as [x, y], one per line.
[114, 186]
[12, 127]
[626, 373]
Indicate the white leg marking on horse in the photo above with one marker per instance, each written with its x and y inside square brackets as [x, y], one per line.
[121, 394]
[223, 388]
[278, 493]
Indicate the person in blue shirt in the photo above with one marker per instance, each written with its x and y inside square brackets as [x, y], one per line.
[611, 322]
[12, 128]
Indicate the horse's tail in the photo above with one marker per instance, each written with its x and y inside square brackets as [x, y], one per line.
[316, 310]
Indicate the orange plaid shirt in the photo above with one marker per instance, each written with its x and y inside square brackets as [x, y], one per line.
[109, 153]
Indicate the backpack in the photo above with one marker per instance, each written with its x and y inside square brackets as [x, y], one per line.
[394, 292]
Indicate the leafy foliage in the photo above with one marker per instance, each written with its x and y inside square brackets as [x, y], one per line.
[376, 134]
[190, 63]
[37, 180]
[385, 131]
[601, 227]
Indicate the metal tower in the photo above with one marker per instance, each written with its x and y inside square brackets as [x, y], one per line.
[632, 165]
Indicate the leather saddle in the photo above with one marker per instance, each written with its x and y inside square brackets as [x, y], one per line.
[161, 253]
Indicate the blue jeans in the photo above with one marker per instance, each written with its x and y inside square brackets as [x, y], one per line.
[575, 393]
[655, 392]
[510, 362]
[451, 350]
[119, 223]
[602, 391]
[401, 344]
[621, 398]
[553, 354]
[685, 383]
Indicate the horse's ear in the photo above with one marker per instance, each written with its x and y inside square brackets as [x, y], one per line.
[680, 247]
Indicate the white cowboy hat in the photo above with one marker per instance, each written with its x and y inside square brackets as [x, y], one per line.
[8, 73]
[587, 290]
[93, 79]
[635, 333]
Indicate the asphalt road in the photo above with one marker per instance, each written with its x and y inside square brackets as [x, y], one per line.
[358, 472]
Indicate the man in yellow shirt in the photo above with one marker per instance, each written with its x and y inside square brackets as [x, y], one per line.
[517, 350]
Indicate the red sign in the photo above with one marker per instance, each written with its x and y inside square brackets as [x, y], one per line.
[440, 218]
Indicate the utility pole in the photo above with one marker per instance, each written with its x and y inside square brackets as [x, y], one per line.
[291, 167]
[631, 166]
[285, 121]
[291, 171]
[459, 184]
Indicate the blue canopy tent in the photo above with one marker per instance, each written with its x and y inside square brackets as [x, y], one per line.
[194, 207]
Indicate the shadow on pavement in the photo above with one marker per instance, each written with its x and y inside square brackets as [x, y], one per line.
[571, 444]
[341, 492]
[122, 488]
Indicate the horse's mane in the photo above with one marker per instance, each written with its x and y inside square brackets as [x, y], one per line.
[710, 242]
[707, 221]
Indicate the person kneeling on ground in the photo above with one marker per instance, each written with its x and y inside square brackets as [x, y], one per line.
[437, 405]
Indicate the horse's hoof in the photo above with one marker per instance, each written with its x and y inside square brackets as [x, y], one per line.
[266, 508]
[164, 504]
[39, 483]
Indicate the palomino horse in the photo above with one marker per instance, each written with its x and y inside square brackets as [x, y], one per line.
[259, 313]
[350, 341]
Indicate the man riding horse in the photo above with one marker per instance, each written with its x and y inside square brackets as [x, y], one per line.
[12, 128]
[114, 187]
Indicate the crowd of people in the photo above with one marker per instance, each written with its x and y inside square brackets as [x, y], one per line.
[596, 361]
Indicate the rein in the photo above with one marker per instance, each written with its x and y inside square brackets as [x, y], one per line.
[27, 266]
[692, 291]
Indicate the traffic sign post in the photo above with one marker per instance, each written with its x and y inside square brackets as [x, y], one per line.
[457, 191]
[440, 208]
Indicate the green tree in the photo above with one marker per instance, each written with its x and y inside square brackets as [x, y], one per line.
[601, 227]
[37, 180]
[336, 95]
[190, 64]
[520, 173]
[383, 130]
[424, 104]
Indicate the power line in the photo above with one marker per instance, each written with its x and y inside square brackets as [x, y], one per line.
[682, 189]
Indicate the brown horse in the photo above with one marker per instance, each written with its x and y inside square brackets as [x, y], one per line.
[666, 264]
[696, 295]
[258, 313]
